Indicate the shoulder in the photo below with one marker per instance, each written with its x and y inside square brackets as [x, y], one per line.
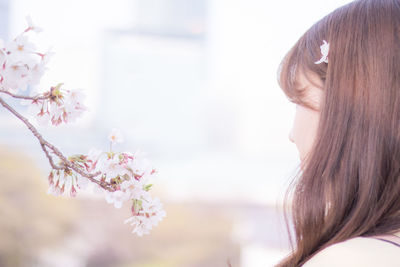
[358, 251]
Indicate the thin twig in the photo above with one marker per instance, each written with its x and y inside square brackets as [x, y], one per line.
[64, 160]
[38, 97]
[54, 166]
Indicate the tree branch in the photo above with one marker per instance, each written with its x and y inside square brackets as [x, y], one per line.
[38, 97]
[50, 158]
[44, 144]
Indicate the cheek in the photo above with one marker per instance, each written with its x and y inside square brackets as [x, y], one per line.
[304, 129]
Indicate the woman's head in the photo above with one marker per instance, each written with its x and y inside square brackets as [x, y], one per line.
[350, 184]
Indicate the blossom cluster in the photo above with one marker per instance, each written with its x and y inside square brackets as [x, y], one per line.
[60, 106]
[20, 64]
[22, 67]
[122, 177]
[127, 175]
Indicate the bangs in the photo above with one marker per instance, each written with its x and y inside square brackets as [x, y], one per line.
[288, 74]
[299, 61]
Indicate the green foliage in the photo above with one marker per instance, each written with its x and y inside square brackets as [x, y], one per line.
[147, 187]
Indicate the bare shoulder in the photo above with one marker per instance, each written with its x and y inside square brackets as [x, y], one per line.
[358, 251]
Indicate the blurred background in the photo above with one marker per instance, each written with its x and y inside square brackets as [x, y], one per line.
[193, 85]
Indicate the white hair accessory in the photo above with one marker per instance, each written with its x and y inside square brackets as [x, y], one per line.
[324, 51]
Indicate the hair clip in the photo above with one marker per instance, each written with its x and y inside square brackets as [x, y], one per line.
[324, 51]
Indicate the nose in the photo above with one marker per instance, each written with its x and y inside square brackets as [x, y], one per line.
[291, 136]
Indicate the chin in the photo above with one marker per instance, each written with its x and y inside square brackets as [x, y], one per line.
[301, 157]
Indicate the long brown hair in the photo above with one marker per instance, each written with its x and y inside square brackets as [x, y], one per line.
[350, 185]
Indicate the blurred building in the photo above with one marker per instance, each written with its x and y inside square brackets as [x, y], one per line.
[4, 18]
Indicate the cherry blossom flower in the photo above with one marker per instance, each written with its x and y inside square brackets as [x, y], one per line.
[111, 167]
[136, 188]
[46, 56]
[150, 214]
[61, 181]
[31, 26]
[21, 50]
[63, 106]
[41, 112]
[15, 77]
[37, 72]
[73, 104]
[117, 198]
[92, 158]
[324, 51]
[115, 136]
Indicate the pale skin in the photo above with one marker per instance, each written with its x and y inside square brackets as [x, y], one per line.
[359, 251]
[306, 120]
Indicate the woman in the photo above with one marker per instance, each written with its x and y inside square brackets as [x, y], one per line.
[344, 76]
